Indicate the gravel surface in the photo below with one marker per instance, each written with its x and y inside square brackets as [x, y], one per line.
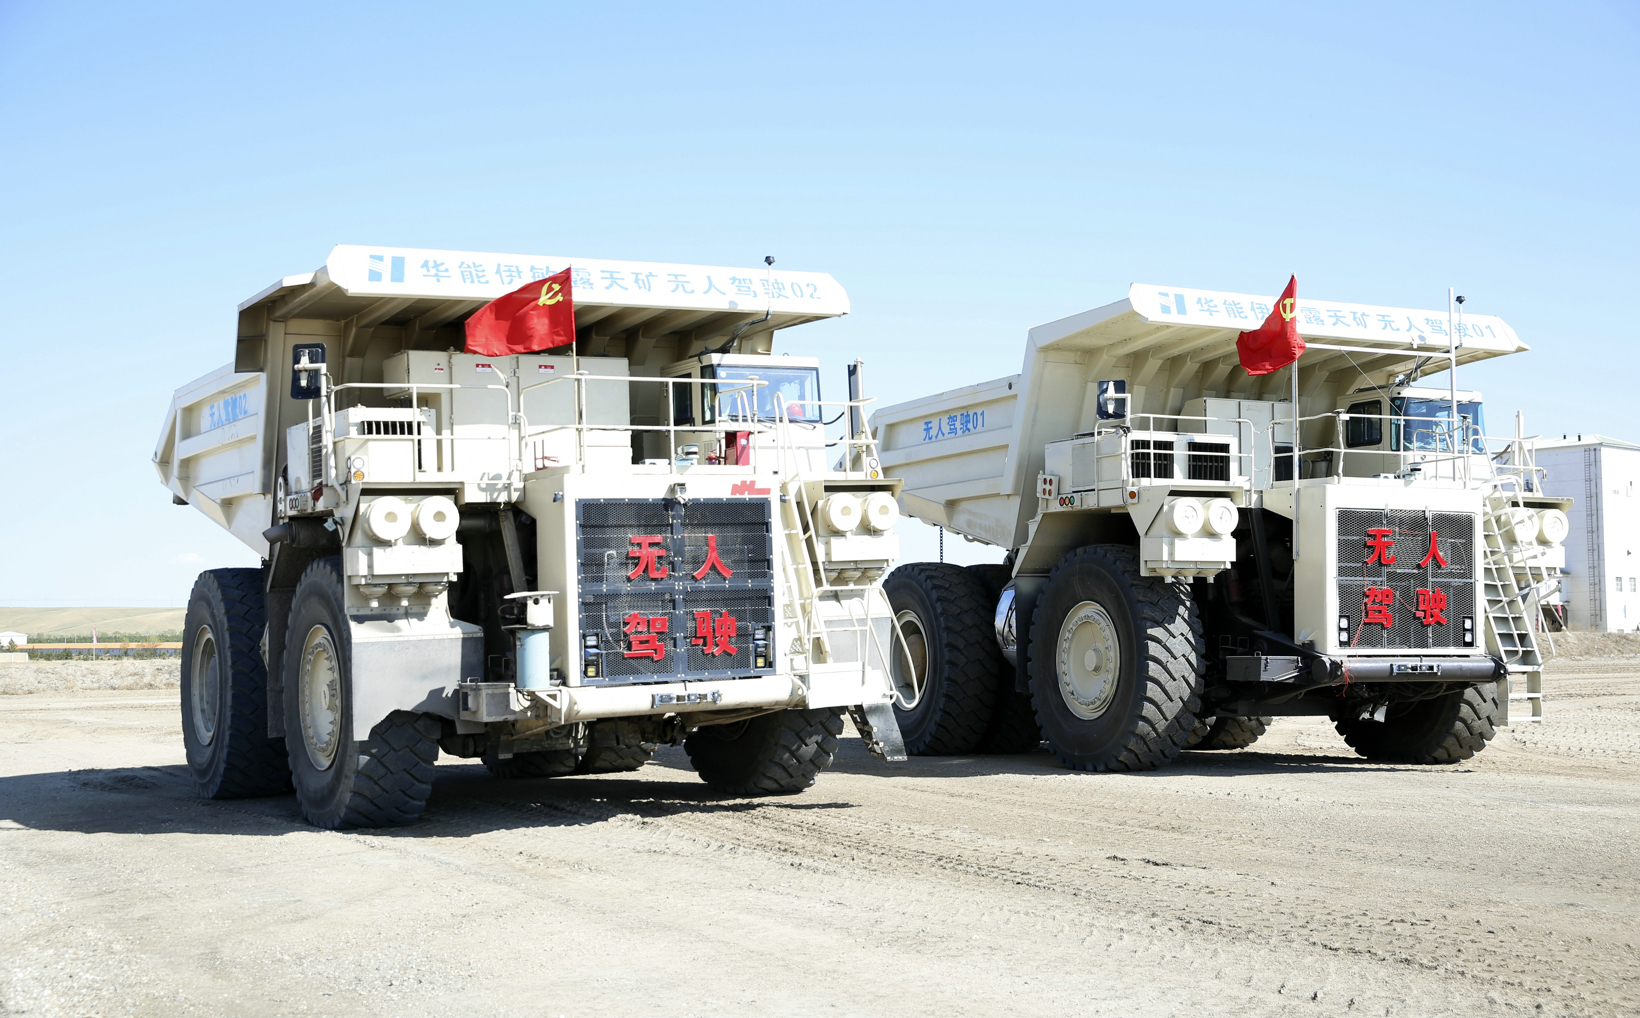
[1291, 878]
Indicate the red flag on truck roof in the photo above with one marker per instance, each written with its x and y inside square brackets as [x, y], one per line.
[1276, 343]
[539, 315]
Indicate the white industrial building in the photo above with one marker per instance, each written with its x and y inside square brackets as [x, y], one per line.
[1601, 585]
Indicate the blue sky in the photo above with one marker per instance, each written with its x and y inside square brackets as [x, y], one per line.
[966, 172]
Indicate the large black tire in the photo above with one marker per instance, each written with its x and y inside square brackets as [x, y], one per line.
[1139, 711]
[940, 610]
[225, 690]
[1228, 732]
[340, 782]
[547, 763]
[771, 754]
[615, 746]
[1013, 727]
[1442, 730]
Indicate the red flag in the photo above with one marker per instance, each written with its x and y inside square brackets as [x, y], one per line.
[1276, 343]
[539, 315]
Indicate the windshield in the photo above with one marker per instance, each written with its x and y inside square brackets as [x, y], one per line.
[783, 387]
[1429, 430]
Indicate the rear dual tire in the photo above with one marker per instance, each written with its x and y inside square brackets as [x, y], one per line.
[225, 690]
[1443, 730]
[772, 754]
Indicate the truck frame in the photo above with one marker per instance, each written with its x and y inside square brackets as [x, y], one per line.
[1183, 563]
[553, 562]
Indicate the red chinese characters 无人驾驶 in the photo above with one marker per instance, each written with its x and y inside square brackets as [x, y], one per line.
[713, 561]
[1379, 543]
[712, 636]
[1434, 554]
[649, 556]
[1431, 607]
[644, 633]
[1378, 607]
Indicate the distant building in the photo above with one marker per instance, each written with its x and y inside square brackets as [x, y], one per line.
[11, 645]
[7, 639]
[1601, 588]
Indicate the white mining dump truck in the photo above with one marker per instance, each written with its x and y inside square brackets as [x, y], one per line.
[553, 562]
[1182, 566]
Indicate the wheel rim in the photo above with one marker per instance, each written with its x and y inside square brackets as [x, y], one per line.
[205, 680]
[908, 664]
[1089, 660]
[319, 690]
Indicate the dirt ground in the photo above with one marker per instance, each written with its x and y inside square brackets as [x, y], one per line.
[1288, 879]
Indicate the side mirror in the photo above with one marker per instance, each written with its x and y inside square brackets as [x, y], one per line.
[1113, 400]
[304, 383]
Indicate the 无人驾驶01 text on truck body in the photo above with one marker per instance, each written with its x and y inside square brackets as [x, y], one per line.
[551, 561]
[1193, 550]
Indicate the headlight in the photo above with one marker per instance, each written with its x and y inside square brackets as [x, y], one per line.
[387, 519]
[1222, 516]
[841, 512]
[1185, 516]
[436, 518]
[881, 511]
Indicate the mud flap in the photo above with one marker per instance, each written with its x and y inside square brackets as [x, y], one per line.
[410, 664]
[880, 730]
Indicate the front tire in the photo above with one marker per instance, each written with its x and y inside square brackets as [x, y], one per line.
[340, 782]
[771, 754]
[1115, 662]
[225, 690]
[1442, 730]
[949, 665]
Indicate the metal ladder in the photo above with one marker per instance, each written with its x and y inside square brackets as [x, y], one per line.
[1510, 634]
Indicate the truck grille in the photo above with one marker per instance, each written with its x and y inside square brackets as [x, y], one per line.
[1408, 535]
[672, 542]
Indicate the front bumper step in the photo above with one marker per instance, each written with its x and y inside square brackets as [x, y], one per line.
[1321, 669]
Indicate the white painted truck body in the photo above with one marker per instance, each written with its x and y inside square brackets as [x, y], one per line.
[551, 439]
[1036, 463]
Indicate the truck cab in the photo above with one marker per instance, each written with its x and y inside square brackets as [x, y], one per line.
[1398, 428]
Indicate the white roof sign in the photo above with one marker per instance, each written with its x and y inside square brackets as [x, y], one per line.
[419, 272]
[1214, 309]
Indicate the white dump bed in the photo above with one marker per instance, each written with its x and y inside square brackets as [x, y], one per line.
[388, 319]
[970, 457]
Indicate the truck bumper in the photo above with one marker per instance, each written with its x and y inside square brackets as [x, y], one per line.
[1321, 669]
[568, 704]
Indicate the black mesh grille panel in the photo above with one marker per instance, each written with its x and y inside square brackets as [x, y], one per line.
[1404, 536]
[670, 590]
[1151, 458]
[1207, 461]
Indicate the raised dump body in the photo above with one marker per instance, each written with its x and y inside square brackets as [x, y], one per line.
[551, 561]
[1375, 559]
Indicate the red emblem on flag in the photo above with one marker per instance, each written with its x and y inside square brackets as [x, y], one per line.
[1276, 343]
[539, 315]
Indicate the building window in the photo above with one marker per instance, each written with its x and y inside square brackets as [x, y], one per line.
[1620, 584]
[1631, 585]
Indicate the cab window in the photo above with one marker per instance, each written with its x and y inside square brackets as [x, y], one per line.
[1362, 431]
[792, 390]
